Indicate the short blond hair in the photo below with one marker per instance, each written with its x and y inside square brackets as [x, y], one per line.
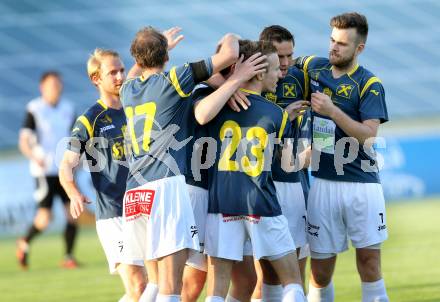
[95, 60]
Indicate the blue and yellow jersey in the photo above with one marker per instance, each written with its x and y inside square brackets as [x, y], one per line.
[240, 181]
[290, 89]
[361, 96]
[193, 177]
[157, 110]
[99, 134]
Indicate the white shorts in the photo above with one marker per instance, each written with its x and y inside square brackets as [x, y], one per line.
[158, 220]
[110, 235]
[247, 249]
[304, 252]
[226, 236]
[199, 202]
[291, 198]
[338, 211]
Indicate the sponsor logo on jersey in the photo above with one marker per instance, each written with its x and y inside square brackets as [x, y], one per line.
[289, 90]
[344, 90]
[314, 83]
[106, 128]
[138, 202]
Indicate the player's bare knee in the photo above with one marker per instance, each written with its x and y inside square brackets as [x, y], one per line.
[171, 284]
[244, 285]
[193, 283]
[136, 280]
[269, 274]
[321, 278]
[42, 219]
[368, 268]
[321, 275]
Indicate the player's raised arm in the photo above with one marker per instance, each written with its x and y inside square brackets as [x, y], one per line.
[228, 53]
[173, 38]
[134, 72]
[207, 108]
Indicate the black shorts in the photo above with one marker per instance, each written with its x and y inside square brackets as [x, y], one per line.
[47, 188]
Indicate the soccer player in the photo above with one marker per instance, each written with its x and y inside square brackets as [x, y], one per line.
[291, 91]
[208, 101]
[242, 197]
[346, 198]
[49, 119]
[101, 130]
[159, 221]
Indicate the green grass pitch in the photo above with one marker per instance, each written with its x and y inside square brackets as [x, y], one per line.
[409, 263]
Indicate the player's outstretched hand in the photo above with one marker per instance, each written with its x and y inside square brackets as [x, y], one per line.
[77, 205]
[297, 108]
[170, 34]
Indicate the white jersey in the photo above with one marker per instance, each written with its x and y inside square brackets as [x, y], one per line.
[51, 125]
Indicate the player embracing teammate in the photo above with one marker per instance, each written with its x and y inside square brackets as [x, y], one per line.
[250, 203]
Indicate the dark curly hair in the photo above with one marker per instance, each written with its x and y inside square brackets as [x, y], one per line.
[149, 48]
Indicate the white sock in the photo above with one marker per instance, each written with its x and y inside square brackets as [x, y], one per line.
[256, 300]
[325, 294]
[214, 299]
[272, 293]
[168, 298]
[229, 298]
[374, 291]
[293, 292]
[150, 293]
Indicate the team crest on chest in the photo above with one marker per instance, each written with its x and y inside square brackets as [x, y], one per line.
[314, 75]
[289, 90]
[106, 119]
[344, 90]
[328, 92]
[271, 97]
[118, 150]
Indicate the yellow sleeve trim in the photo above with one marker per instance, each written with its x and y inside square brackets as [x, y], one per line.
[370, 82]
[283, 124]
[175, 83]
[306, 76]
[86, 124]
[306, 63]
[103, 105]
